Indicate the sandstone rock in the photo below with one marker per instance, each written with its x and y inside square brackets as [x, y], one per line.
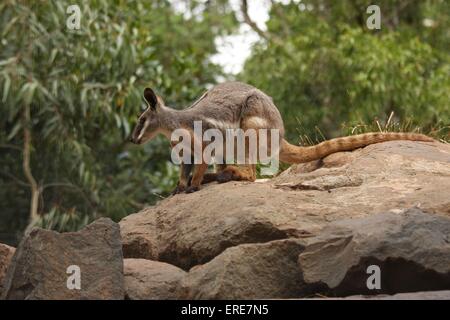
[249, 271]
[147, 280]
[6, 253]
[190, 229]
[425, 295]
[38, 270]
[411, 248]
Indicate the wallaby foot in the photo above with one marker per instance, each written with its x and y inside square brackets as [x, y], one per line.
[197, 177]
[207, 178]
[235, 173]
[178, 189]
[192, 189]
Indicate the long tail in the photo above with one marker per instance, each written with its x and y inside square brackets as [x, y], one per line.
[290, 153]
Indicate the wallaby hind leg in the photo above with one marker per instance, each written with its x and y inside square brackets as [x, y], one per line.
[211, 176]
[240, 172]
[207, 178]
[237, 173]
[227, 173]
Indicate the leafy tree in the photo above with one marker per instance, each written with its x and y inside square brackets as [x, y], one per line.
[325, 68]
[69, 99]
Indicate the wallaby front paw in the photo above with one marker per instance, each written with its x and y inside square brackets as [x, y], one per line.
[191, 189]
[178, 189]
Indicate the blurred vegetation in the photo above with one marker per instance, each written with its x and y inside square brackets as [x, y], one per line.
[69, 98]
[324, 67]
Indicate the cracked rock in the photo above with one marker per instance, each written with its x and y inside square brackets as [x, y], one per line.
[150, 280]
[411, 249]
[6, 253]
[46, 263]
[249, 271]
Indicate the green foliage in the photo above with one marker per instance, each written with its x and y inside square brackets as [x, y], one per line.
[83, 89]
[328, 68]
[62, 221]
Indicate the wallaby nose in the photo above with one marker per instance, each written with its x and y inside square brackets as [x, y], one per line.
[131, 140]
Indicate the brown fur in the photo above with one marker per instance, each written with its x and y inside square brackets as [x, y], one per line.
[294, 154]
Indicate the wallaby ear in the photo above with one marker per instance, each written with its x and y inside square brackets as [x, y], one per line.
[151, 98]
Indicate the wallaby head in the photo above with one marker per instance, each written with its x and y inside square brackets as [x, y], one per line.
[149, 121]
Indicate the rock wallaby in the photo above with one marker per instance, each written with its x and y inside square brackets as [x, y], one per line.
[234, 105]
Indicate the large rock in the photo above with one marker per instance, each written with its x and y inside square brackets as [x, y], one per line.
[39, 267]
[149, 280]
[190, 229]
[249, 271]
[410, 248]
[6, 253]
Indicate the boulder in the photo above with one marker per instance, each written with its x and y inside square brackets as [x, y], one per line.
[186, 232]
[190, 229]
[411, 248]
[6, 253]
[149, 280]
[249, 271]
[48, 265]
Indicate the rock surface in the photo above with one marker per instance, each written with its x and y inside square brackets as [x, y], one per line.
[411, 249]
[314, 229]
[249, 271]
[191, 229]
[6, 253]
[426, 295]
[39, 267]
[149, 280]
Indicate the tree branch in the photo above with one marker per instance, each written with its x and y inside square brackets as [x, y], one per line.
[17, 180]
[263, 34]
[10, 146]
[251, 23]
[34, 203]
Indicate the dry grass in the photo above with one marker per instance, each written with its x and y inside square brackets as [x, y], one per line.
[392, 124]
